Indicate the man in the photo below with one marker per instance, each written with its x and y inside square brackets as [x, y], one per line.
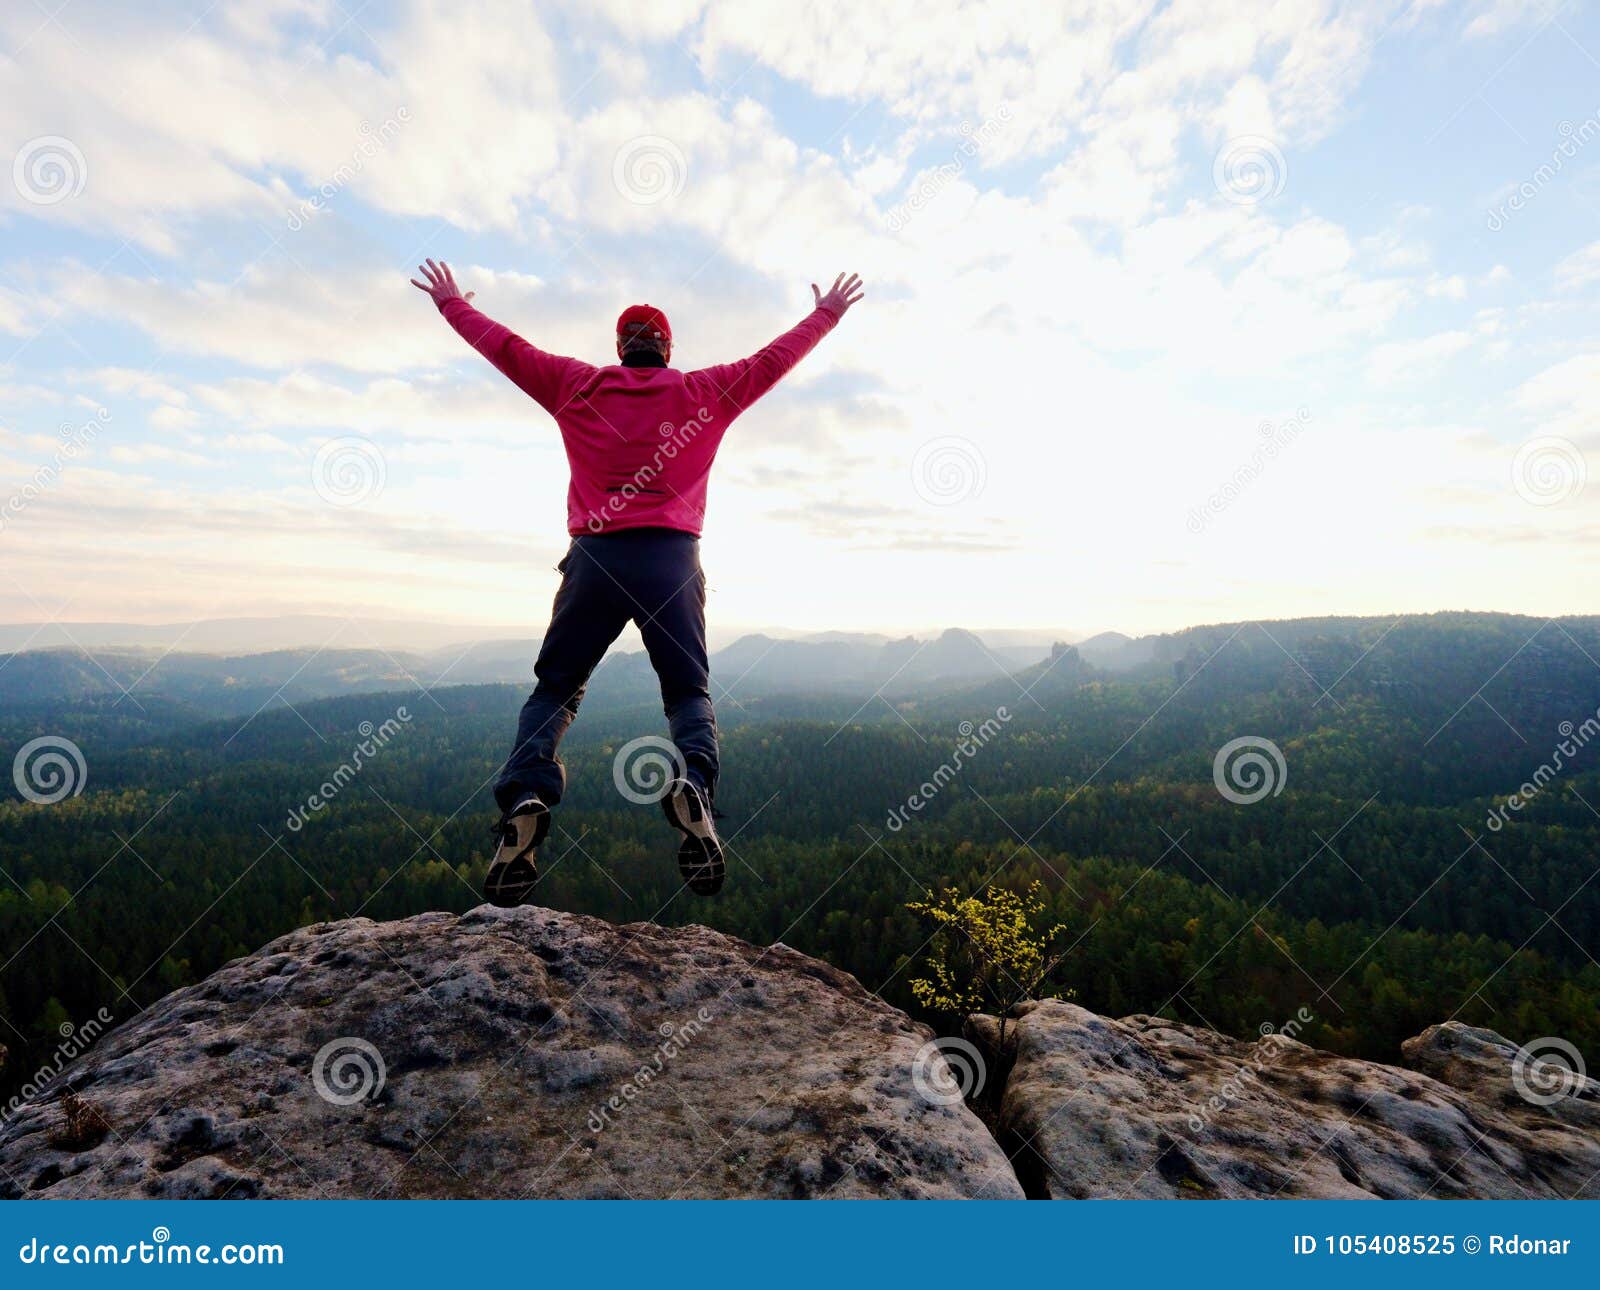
[640, 438]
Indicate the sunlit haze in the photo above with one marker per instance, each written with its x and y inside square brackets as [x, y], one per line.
[1172, 316]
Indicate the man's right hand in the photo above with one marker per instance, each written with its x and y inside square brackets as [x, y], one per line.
[839, 297]
[441, 283]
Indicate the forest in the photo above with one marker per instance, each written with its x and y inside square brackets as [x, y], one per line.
[1366, 884]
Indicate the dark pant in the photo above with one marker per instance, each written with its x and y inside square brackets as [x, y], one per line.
[653, 578]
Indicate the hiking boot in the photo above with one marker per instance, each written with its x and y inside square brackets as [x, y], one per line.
[700, 855]
[514, 869]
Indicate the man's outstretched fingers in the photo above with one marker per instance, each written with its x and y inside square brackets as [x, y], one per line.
[846, 290]
[439, 281]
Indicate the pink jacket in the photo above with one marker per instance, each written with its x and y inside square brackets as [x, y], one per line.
[640, 440]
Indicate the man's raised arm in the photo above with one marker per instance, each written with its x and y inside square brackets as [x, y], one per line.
[547, 378]
[741, 384]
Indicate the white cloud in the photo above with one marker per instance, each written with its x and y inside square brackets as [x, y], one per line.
[267, 319]
[1580, 269]
[141, 102]
[1073, 296]
[1411, 360]
[15, 316]
[1497, 16]
[1566, 397]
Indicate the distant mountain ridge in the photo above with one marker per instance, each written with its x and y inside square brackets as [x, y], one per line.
[756, 664]
[760, 665]
[250, 635]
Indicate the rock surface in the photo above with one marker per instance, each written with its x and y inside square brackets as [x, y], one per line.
[1152, 1108]
[522, 1053]
[513, 1053]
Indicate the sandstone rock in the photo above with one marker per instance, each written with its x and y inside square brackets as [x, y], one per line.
[532, 1053]
[510, 1053]
[1152, 1108]
[1484, 1065]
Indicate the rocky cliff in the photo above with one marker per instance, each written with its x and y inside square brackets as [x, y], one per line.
[506, 1053]
[1147, 1107]
[527, 1053]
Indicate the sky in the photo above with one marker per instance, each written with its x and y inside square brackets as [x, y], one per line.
[1176, 312]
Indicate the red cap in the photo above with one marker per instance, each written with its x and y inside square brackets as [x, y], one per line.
[649, 317]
